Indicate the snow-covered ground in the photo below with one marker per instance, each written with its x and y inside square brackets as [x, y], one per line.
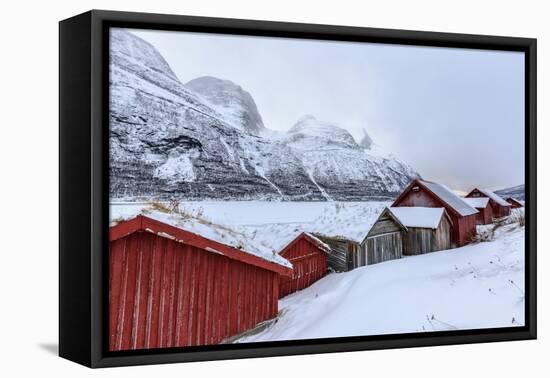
[263, 225]
[477, 286]
[350, 218]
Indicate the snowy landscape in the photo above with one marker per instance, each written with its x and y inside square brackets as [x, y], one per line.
[206, 140]
[198, 156]
[476, 286]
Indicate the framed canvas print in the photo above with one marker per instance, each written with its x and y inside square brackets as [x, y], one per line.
[234, 188]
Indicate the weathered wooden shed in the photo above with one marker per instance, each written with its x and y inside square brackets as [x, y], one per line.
[308, 256]
[430, 194]
[169, 287]
[501, 208]
[429, 229]
[482, 205]
[384, 241]
[345, 254]
[514, 203]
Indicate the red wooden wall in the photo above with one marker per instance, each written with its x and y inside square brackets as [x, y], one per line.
[309, 262]
[464, 228]
[164, 293]
[500, 211]
[485, 215]
[419, 198]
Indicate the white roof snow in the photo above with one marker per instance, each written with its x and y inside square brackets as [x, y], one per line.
[447, 195]
[350, 220]
[423, 217]
[495, 197]
[477, 202]
[321, 244]
[220, 233]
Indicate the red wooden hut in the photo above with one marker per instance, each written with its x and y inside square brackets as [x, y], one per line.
[308, 256]
[169, 287]
[430, 194]
[481, 204]
[500, 207]
[514, 203]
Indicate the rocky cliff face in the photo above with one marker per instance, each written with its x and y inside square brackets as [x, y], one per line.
[206, 140]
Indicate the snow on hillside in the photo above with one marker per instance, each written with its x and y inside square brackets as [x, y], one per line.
[477, 286]
[334, 161]
[206, 140]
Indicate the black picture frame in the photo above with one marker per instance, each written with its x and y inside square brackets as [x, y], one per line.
[83, 181]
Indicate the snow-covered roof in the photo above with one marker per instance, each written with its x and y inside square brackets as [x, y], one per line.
[449, 197]
[275, 240]
[321, 244]
[424, 217]
[220, 233]
[495, 197]
[477, 202]
[514, 200]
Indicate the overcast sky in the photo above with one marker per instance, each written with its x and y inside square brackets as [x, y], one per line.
[455, 115]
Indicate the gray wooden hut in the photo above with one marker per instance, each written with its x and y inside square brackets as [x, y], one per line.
[429, 229]
[384, 240]
[344, 253]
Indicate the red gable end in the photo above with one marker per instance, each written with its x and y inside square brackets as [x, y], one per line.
[143, 223]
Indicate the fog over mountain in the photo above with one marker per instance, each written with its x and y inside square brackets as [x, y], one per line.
[455, 115]
[206, 140]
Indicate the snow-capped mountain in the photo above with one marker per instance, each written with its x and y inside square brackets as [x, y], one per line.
[339, 166]
[236, 105]
[517, 192]
[206, 139]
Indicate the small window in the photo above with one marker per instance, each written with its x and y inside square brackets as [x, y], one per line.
[416, 189]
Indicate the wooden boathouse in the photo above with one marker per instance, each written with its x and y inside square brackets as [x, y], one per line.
[384, 240]
[482, 205]
[429, 229]
[308, 256]
[423, 193]
[169, 287]
[501, 208]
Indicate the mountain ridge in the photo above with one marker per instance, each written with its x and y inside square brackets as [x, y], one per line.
[206, 140]
[517, 192]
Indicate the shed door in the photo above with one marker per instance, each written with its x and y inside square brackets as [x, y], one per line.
[384, 247]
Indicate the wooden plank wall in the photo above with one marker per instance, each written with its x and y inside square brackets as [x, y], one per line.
[500, 211]
[357, 256]
[419, 240]
[384, 225]
[464, 229]
[485, 215]
[383, 247]
[168, 294]
[310, 265]
[338, 257]
[443, 235]
[419, 199]
[345, 254]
